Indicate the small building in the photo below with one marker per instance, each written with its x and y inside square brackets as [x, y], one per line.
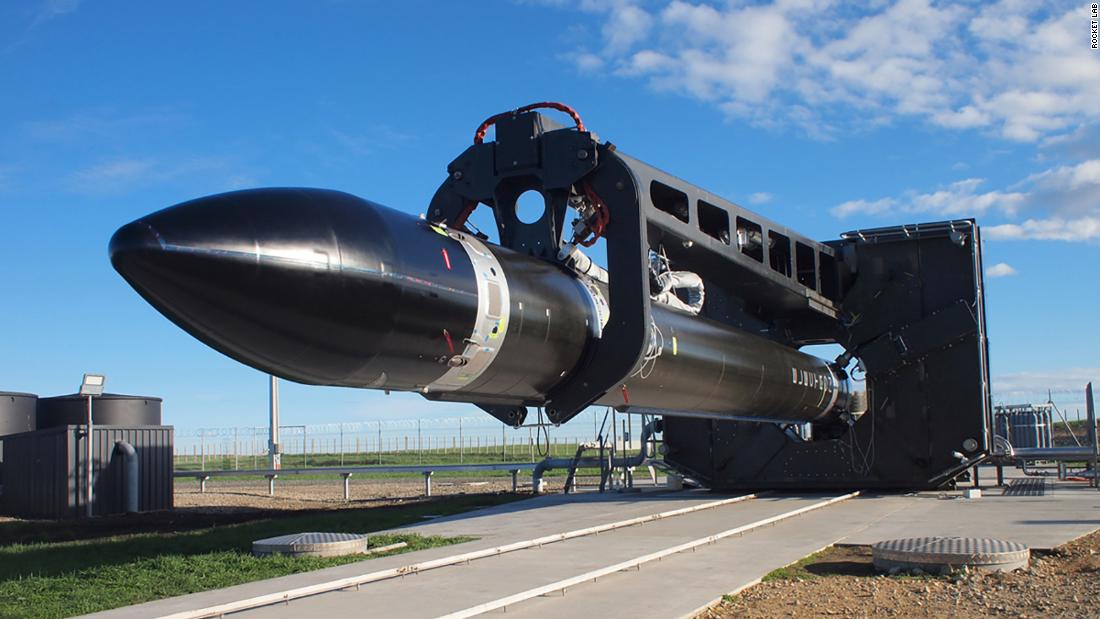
[44, 468]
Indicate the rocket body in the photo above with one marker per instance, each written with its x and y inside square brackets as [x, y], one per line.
[322, 287]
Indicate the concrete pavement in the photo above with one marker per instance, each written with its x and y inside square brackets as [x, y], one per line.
[676, 586]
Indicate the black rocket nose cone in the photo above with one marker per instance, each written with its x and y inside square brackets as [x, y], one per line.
[316, 286]
[134, 236]
[130, 245]
[255, 275]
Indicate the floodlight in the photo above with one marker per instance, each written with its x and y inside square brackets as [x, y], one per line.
[92, 384]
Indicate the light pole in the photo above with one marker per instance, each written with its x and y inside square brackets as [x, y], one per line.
[274, 449]
[91, 386]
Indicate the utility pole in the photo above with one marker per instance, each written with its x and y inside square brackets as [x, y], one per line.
[273, 446]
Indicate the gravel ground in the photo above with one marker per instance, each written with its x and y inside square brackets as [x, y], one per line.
[296, 494]
[841, 582]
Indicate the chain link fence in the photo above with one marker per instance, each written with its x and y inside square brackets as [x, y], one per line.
[448, 440]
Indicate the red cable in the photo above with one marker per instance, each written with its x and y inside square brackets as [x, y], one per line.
[460, 221]
[479, 135]
[602, 215]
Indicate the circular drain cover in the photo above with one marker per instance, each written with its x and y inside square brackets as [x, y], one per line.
[311, 544]
[933, 554]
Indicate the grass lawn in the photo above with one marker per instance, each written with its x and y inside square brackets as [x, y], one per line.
[386, 458]
[61, 579]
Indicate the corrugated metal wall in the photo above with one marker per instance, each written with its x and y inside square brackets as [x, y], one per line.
[45, 477]
[37, 474]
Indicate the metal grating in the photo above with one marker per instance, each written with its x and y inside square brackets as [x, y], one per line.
[1029, 486]
[946, 552]
[319, 544]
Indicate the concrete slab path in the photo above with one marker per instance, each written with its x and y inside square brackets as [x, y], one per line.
[676, 586]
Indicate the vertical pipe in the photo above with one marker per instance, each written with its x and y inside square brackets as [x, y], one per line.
[130, 479]
[461, 444]
[88, 464]
[1090, 412]
[273, 431]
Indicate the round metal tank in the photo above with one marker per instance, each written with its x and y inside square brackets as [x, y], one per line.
[17, 412]
[109, 409]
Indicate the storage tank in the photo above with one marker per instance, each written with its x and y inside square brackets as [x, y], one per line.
[109, 409]
[1025, 425]
[17, 412]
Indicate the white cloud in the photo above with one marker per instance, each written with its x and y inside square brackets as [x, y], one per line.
[48, 10]
[587, 62]
[760, 197]
[1001, 269]
[626, 25]
[1067, 385]
[111, 174]
[959, 199]
[123, 175]
[1050, 229]
[102, 125]
[1060, 204]
[865, 207]
[1015, 69]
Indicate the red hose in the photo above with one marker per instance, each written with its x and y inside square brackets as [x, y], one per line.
[479, 135]
[602, 215]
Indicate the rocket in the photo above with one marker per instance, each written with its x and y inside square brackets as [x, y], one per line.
[700, 312]
[325, 288]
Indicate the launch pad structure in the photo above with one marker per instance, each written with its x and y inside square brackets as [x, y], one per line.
[699, 316]
[905, 301]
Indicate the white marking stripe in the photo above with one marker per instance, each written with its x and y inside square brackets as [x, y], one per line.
[618, 567]
[491, 324]
[351, 581]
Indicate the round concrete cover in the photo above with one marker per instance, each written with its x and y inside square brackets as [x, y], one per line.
[939, 553]
[311, 544]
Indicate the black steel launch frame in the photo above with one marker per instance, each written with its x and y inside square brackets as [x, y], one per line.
[905, 301]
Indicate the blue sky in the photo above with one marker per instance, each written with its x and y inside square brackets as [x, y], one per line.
[821, 116]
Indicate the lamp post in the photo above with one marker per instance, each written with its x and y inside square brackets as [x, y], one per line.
[274, 448]
[91, 386]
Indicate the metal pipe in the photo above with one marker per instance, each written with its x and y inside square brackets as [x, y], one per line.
[559, 463]
[130, 477]
[1085, 452]
[89, 496]
[273, 447]
[1090, 411]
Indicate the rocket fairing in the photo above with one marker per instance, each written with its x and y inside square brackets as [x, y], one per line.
[322, 287]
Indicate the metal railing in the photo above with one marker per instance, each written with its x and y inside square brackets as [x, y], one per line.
[347, 472]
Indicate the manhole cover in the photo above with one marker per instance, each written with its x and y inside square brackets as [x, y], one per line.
[311, 544]
[933, 554]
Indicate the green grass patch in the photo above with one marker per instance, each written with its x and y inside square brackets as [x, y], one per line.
[796, 570]
[60, 579]
[450, 455]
